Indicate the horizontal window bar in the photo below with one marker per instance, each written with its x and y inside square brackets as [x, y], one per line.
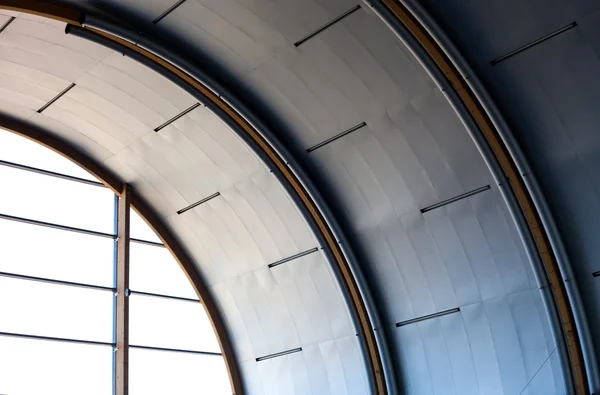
[327, 25]
[56, 226]
[147, 242]
[206, 199]
[53, 281]
[55, 339]
[596, 274]
[55, 98]
[163, 296]
[279, 354]
[50, 173]
[534, 43]
[291, 258]
[456, 198]
[8, 22]
[428, 317]
[337, 136]
[168, 11]
[176, 117]
[175, 350]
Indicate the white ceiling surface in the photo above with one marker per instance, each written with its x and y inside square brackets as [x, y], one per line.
[550, 94]
[413, 153]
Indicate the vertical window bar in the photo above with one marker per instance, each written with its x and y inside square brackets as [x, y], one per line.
[114, 323]
[122, 330]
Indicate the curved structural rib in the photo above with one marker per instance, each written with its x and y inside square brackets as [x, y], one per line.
[263, 142]
[538, 223]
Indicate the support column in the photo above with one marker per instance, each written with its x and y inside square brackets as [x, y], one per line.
[122, 316]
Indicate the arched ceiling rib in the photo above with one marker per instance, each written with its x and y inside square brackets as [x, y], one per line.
[412, 153]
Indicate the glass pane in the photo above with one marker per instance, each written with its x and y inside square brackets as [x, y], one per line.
[35, 367]
[51, 199]
[153, 269]
[17, 149]
[159, 372]
[56, 254]
[44, 309]
[140, 230]
[170, 323]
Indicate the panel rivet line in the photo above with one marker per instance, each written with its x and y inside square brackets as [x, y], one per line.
[168, 11]
[199, 202]
[279, 354]
[8, 22]
[534, 43]
[337, 136]
[327, 25]
[176, 117]
[50, 173]
[55, 98]
[291, 258]
[596, 274]
[427, 317]
[455, 199]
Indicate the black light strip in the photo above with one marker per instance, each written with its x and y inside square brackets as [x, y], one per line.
[164, 296]
[176, 117]
[168, 11]
[56, 226]
[327, 25]
[456, 198]
[55, 339]
[8, 22]
[52, 281]
[191, 206]
[146, 242]
[50, 173]
[175, 350]
[337, 136]
[534, 43]
[596, 274]
[55, 98]
[428, 317]
[291, 258]
[279, 354]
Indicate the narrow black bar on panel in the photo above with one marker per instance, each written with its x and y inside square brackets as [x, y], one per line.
[534, 43]
[8, 22]
[168, 11]
[291, 258]
[191, 206]
[279, 354]
[50, 173]
[427, 317]
[596, 274]
[327, 25]
[337, 136]
[176, 117]
[455, 199]
[55, 98]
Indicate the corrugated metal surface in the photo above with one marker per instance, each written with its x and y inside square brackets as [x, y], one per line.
[412, 153]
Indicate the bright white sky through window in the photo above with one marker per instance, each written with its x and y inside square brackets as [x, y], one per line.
[167, 324]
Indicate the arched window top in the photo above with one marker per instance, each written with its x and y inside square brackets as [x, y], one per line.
[58, 290]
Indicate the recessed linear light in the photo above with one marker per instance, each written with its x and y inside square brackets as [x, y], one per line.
[455, 199]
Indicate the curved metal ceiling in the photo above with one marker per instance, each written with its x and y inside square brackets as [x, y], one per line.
[394, 150]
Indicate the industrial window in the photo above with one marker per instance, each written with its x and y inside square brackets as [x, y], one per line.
[58, 286]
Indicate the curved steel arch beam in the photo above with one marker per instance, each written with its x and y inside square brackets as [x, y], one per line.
[511, 170]
[264, 142]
